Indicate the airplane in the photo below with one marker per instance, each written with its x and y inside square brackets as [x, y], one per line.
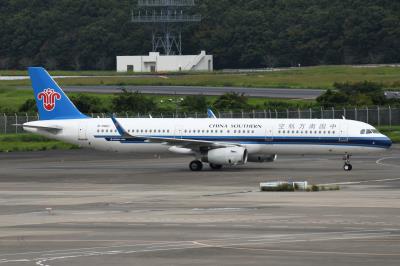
[217, 142]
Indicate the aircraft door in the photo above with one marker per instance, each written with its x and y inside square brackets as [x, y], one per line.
[269, 133]
[82, 134]
[178, 132]
[344, 132]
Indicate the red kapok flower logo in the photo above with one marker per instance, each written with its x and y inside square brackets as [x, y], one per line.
[49, 97]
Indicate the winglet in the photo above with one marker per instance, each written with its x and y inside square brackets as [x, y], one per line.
[119, 128]
[210, 113]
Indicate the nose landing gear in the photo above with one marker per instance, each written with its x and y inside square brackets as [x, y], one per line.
[347, 165]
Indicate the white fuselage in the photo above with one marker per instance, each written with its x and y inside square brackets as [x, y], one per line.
[259, 136]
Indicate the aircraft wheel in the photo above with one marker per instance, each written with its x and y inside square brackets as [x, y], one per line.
[196, 166]
[215, 166]
[348, 167]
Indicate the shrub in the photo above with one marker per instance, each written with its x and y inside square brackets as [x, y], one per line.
[128, 101]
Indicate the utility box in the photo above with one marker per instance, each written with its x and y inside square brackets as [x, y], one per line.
[283, 186]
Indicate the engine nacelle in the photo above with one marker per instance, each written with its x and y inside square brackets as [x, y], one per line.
[226, 156]
[262, 158]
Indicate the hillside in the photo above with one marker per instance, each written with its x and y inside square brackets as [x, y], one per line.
[88, 34]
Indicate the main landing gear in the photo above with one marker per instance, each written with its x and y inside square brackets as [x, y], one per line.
[215, 166]
[347, 166]
[197, 166]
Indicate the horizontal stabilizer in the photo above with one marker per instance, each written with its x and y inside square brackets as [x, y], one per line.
[51, 128]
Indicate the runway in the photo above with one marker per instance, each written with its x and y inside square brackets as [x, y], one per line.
[114, 209]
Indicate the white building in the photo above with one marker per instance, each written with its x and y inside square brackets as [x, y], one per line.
[155, 62]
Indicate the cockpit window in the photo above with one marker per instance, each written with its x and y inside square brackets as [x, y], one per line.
[362, 132]
[369, 131]
[375, 131]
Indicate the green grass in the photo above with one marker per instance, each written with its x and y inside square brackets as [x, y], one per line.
[30, 142]
[322, 77]
[392, 132]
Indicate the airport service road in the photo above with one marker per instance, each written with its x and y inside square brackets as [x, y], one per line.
[127, 210]
[212, 91]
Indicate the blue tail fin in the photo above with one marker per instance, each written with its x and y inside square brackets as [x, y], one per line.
[51, 101]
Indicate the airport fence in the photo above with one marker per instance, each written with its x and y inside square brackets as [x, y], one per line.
[377, 116]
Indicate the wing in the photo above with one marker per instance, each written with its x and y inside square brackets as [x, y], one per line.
[182, 142]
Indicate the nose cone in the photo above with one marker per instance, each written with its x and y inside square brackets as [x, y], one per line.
[387, 142]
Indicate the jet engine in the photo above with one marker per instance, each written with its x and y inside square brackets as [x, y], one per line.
[226, 156]
[262, 158]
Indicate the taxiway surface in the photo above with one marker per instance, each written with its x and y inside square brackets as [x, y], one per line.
[88, 208]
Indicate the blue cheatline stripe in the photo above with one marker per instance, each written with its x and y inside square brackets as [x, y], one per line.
[379, 142]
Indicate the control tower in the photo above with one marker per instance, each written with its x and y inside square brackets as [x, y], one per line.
[166, 18]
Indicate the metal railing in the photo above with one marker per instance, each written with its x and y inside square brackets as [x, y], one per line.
[155, 3]
[377, 116]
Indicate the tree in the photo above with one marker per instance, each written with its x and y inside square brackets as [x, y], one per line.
[29, 106]
[354, 94]
[231, 101]
[197, 103]
[88, 34]
[88, 104]
[128, 101]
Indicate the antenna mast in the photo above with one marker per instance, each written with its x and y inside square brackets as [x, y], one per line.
[166, 18]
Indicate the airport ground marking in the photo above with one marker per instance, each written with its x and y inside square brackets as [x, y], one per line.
[379, 162]
[314, 252]
[48, 256]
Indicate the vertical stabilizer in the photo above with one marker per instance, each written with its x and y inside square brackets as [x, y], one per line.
[51, 101]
